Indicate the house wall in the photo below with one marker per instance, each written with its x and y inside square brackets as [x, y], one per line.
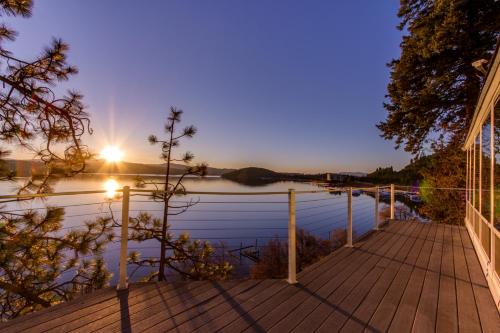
[483, 181]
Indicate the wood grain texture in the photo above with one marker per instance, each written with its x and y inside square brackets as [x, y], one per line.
[408, 277]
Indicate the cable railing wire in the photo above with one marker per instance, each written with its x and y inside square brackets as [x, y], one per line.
[320, 220]
[233, 228]
[320, 206]
[315, 200]
[57, 206]
[314, 214]
[329, 213]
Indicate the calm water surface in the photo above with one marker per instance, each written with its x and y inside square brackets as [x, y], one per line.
[233, 221]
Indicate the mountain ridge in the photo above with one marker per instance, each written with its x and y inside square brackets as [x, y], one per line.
[26, 168]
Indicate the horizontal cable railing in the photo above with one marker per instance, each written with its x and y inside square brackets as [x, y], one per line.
[232, 226]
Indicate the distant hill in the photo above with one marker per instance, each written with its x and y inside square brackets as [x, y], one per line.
[100, 166]
[25, 168]
[253, 176]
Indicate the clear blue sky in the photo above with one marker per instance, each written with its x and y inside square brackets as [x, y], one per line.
[289, 85]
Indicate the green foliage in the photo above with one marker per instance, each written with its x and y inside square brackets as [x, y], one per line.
[407, 176]
[32, 113]
[443, 202]
[35, 253]
[440, 177]
[383, 176]
[187, 258]
[434, 88]
[40, 262]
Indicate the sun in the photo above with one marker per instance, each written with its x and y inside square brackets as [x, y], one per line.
[112, 154]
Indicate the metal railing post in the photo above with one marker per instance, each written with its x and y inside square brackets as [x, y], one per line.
[349, 217]
[392, 201]
[122, 282]
[377, 199]
[292, 248]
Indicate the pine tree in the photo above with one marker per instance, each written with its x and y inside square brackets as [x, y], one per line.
[189, 259]
[41, 263]
[434, 87]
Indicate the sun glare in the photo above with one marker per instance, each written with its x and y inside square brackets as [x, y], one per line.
[112, 154]
[111, 186]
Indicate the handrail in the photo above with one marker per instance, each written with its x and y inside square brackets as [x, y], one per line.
[52, 194]
[137, 190]
[235, 193]
[140, 190]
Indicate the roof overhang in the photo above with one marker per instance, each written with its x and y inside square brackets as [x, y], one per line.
[488, 93]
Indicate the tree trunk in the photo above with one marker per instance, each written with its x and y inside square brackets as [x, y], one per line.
[161, 273]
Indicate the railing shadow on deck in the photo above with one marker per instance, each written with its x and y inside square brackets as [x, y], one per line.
[236, 306]
[335, 307]
[413, 266]
[125, 324]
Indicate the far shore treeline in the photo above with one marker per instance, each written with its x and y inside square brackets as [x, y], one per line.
[27, 168]
[411, 174]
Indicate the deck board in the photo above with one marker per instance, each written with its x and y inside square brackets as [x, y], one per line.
[295, 317]
[407, 308]
[361, 316]
[382, 318]
[337, 318]
[447, 314]
[344, 267]
[309, 297]
[468, 318]
[425, 317]
[418, 277]
[224, 308]
[103, 316]
[488, 314]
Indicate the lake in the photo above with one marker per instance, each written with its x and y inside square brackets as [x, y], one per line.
[228, 221]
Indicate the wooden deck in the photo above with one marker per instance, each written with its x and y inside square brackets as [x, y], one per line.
[410, 277]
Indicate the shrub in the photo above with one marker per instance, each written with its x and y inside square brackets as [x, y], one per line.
[273, 261]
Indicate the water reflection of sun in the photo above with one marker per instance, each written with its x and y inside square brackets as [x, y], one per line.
[111, 186]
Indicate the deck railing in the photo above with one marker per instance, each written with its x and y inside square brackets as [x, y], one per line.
[486, 241]
[291, 194]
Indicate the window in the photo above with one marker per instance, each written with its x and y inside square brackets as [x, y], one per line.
[471, 170]
[467, 182]
[496, 182]
[486, 169]
[477, 171]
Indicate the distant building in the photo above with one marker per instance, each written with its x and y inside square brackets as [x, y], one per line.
[339, 178]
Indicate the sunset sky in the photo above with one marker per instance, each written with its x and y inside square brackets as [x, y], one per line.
[288, 85]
